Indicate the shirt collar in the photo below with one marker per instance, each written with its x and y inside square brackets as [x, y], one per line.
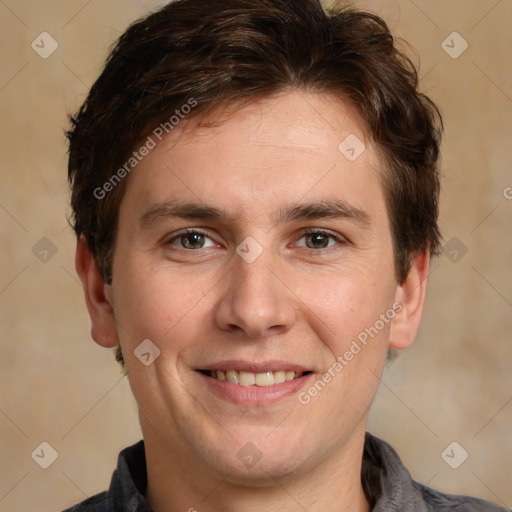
[130, 480]
[386, 482]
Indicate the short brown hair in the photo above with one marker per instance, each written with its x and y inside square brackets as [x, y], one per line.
[237, 51]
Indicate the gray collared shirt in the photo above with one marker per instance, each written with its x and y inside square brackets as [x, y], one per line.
[386, 482]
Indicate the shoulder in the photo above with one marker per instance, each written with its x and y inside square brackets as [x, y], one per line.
[438, 501]
[127, 486]
[390, 487]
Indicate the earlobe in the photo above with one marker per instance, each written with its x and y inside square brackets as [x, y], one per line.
[98, 297]
[411, 295]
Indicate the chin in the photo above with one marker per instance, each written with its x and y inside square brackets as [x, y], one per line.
[258, 460]
[262, 474]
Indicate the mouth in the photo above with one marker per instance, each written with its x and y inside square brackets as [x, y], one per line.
[260, 379]
[251, 383]
[254, 384]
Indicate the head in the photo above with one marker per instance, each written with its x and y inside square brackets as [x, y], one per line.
[270, 116]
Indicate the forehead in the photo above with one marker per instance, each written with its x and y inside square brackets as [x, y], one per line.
[275, 149]
[297, 120]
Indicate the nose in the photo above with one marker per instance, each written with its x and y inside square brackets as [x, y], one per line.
[256, 301]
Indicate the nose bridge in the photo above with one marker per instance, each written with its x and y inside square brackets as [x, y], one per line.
[255, 300]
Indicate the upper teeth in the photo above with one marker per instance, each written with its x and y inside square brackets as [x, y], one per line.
[255, 379]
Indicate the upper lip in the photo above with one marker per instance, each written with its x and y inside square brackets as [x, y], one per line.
[253, 367]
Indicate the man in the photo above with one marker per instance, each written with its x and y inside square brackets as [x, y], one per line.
[255, 195]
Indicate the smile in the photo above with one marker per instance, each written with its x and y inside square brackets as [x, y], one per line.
[247, 379]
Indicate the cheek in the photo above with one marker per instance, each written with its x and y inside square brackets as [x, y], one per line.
[362, 314]
[353, 320]
[344, 306]
[150, 302]
[168, 306]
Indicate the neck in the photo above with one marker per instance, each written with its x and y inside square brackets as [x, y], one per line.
[177, 482]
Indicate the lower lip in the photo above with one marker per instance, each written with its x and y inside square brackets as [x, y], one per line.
[255, 395]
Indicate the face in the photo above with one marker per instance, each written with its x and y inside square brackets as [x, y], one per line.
[257, 256]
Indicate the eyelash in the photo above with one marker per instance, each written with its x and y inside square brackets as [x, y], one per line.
[311, 231]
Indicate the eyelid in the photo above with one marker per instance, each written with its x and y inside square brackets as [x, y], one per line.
[308, 231]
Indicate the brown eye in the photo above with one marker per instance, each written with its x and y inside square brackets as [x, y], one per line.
[317, 240]
[191, 240]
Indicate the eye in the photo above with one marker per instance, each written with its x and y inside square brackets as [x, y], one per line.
[320, 239]
[191, 239]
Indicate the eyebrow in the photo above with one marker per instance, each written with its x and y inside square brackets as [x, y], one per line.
[333, 209]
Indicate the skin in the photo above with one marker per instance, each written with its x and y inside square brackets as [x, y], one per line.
[303, 300]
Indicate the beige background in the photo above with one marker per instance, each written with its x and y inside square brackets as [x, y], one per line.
[58, 386]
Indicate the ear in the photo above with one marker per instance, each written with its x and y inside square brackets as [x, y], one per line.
[98, 297]
[411, 295]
